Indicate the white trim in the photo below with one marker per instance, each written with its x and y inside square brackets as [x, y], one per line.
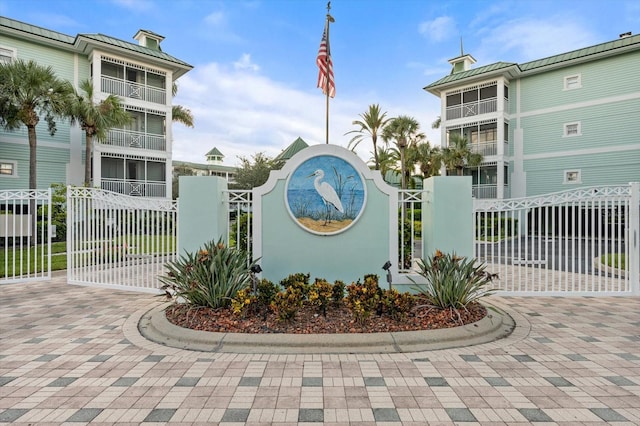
[573, 153]
[14, 169]
[568, 177]
[566, 126]
[568, 107]
[572, 82]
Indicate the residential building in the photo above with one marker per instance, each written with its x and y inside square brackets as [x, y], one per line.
[133, 160]
[213, 167]
[548, 125]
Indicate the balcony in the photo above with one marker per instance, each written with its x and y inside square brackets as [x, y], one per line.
[470, 109]
[135, 187]
[483, 191]
[487, 149]
[138, 140]
[133, 90]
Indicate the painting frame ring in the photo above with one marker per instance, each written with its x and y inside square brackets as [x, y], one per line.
[325, 195]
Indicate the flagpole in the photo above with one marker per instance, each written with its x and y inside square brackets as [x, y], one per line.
[329, 20]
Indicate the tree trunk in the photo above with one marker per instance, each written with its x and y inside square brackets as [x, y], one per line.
[375, 154]
[87, 160]
[33, 180]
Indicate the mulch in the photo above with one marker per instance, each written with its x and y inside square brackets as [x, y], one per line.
[309, 321]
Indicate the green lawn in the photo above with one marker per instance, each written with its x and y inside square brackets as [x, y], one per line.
[614, 260]
[145, 244]
[25, 259]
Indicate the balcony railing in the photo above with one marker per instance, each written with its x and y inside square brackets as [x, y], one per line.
[133, 90]
[489, 148]
[485, 148]
[135, 187]
[488, 191]
[470, 109]
[139, 140]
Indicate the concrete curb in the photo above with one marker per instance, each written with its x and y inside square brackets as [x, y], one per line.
[154, 326]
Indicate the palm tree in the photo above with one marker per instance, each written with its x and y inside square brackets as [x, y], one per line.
[179, 113]
[372, 122]
[436, 123]
[458, 154]
[27, 91]
[404, 131]
[96, 119]
[385, 160]
[429, 158]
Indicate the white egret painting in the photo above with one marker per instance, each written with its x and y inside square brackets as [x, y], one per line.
[325, 195]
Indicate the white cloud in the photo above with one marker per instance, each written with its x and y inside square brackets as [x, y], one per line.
[135, 5]
[438, 29]
[245, 63]
[215, 18]
[522, 40]
[243, 112]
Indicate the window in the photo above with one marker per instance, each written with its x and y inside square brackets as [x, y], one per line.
[572, 129]
[7, 55]
[8, 168]
[572, 176]
[572, 82]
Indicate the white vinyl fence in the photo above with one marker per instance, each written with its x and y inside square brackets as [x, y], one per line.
[562, 243]
[25, 235]
[119, 241]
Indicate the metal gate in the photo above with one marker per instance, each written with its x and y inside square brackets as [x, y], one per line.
[580, 242]
[25, 235]
[119, 241]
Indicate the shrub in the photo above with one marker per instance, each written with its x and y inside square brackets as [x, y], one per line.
[453, 282]
[337, 292]
[286, 303]
[298, 281]
[320, 295]
[266, 292]
[362, 299]
[243, 301]
[210, 277]
[397, 305]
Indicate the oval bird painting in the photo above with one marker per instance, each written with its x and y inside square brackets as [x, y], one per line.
[325, 194]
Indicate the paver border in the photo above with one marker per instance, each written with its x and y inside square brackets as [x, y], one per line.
[497, 325]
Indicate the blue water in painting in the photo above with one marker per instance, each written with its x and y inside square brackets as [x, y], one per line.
[308, 203]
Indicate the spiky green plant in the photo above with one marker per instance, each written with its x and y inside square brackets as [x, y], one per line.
[210, 277]
[453, 282]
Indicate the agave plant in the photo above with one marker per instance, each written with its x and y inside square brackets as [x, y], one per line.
[211, 277]
[453, 282]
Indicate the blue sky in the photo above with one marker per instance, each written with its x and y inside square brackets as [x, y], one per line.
[252, 88]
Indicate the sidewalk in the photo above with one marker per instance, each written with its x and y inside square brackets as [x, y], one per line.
[74, 354]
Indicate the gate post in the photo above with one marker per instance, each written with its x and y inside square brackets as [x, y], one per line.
[447, 216]
[634, 237]
[202, 211]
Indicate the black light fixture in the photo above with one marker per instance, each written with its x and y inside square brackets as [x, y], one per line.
[387, 267]
[255, 269]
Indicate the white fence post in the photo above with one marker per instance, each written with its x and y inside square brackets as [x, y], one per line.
[634, 237]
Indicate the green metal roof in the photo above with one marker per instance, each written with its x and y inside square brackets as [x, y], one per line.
[214, 153]
[472, 72]
[540, 63]
[200, 166]
[298, 145]
[134, 47]
[581, 53]
[33, 29]
[53, 35]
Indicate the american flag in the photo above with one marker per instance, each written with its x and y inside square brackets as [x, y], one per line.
[325, 64]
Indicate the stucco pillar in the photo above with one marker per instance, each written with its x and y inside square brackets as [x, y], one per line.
[447, 216]
[202, 211]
